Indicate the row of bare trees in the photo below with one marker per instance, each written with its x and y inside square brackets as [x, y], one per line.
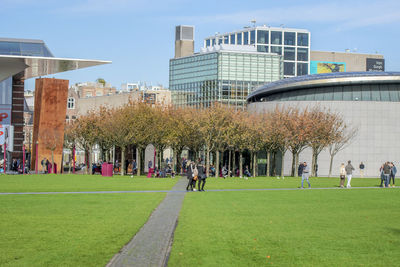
[213, 130]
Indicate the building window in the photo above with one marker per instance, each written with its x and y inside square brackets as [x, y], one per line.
[302, 69]
[239, 38]
[213, 42]
[290, 53]
[226, 39]
[233, 39]
[290, 38]
[71, 103]
[276, 38]
[288, 68]
[276, 49]
[302, 54]
[252, 37]
[262, 48]
[246, 38]
[262, 37]
[302, 39]
[207, 42]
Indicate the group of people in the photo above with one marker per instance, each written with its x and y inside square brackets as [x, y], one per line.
[388, 172]
[196, 173]
[345, 171]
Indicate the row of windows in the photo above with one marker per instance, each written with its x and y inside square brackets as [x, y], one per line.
[289, 68]
[24, 49]
[382, 92]
[261, 37]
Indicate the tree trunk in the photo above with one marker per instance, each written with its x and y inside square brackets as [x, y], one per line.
[216, 164]
[330, 166]
[240, 164]
[52, 161]
[123, 148]
[268, 162]
[283, 163]
[255, 164]
[69, 163]
[314, 162]
[234, 163]
[139, 161]
[297, 163]
[293, 170]
[229, 162]
[208, 161]
[273, 165]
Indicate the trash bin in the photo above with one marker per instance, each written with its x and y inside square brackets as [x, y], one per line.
[151, 171]
[107, 169]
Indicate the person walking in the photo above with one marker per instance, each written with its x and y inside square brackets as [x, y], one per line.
[382, 175]
[393, 171]
[342, 175]
[202, 175]
[300, 169]
[386, 173]
[190, 176]
[362, 166]
[305, 175]
[349, 172]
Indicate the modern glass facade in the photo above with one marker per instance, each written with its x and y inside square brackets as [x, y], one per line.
[223, 76]
[17, 47]
[292, 44]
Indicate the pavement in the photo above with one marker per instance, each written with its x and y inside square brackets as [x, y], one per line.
[182, 190]
[151, 245]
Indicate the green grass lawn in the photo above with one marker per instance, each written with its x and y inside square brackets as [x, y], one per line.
[70, 230]
[289, 228]
[71, 182]
[287, 182]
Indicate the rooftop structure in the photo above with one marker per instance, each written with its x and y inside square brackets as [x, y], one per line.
[292, 44]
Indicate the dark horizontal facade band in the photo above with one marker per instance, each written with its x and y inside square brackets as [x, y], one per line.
[349, 82]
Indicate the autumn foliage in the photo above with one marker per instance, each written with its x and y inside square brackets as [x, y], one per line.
[212, 131]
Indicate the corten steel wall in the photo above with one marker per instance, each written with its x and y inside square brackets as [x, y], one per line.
[17, 114]
[49, 118]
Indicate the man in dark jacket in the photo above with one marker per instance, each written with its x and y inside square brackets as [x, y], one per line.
[189, 175]
[300, 169]
[202, 175]
[386, 173]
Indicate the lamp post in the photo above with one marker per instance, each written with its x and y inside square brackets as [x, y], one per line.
[73, 159]
[5, 157]
[23, 159]
[37, 157]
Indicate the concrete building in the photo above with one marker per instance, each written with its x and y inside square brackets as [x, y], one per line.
[292, 44]
[91, 89]
[222, 73]
[327, 61]
[369, 101]
[184, 41]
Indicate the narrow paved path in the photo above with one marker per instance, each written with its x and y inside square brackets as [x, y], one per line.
[181, 189]
[151, 245]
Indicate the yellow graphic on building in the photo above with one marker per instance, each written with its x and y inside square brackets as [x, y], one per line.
[330, 67]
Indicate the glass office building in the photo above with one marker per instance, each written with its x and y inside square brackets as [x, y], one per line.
[292, 44]
[221, 75]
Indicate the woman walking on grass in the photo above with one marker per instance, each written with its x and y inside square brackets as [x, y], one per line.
[342, 175]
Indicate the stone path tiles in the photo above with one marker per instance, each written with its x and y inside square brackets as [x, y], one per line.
[151, 245]
[180, 190]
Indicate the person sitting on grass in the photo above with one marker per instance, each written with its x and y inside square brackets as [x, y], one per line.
[224, 171]
[247, 172]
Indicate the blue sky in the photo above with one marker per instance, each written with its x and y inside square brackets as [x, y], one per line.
[138, 36]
